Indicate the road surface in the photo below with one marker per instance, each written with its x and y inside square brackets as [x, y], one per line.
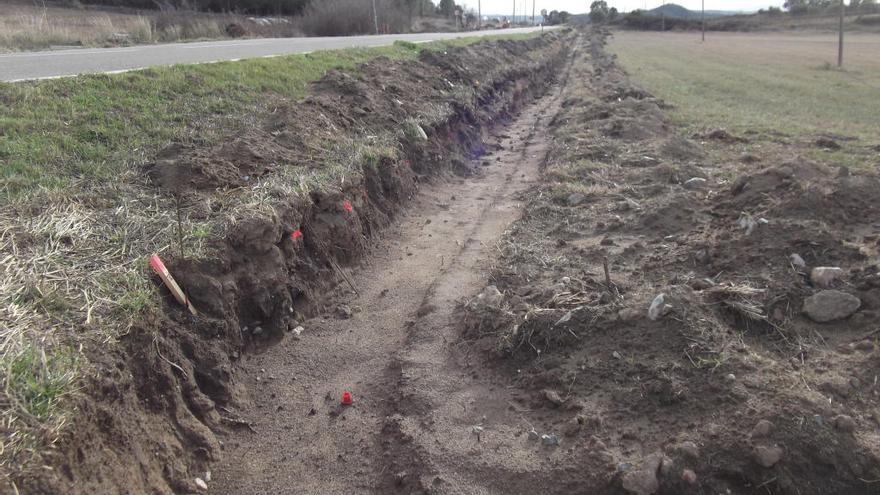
[71, 62]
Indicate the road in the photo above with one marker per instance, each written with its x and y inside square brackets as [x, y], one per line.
[71, 62]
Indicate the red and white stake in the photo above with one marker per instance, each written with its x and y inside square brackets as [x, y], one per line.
[159, 267]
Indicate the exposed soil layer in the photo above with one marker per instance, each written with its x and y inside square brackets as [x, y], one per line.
[148, 419]
[754, 373]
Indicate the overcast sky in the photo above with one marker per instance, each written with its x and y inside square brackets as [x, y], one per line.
[578, 6]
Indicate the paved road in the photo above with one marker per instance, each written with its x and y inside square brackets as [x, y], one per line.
[60, 63]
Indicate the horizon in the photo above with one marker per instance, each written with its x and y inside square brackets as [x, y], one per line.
[505, 7]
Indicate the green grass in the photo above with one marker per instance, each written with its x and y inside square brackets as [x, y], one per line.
[769, 83]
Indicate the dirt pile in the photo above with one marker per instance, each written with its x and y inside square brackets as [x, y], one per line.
[709, 324]
[295, 200]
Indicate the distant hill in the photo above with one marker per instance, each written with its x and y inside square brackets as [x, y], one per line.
[678, 12]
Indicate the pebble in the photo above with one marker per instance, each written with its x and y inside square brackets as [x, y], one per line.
[297, 332]
[763, 429]
[730, 377]
[553, 397]
[845, 423]
[689, 477]
[824, 276]
[208, 476]
[643, 481]
[575, 199]
[767, 456]
[657, 308]
[534, 436]
[550, 440]
[797, 261]
[201, 484]
[616, 355]
[830, 305]
[258, 330]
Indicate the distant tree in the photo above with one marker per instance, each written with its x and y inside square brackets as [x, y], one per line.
[599, 11]
[774, 11]
[796, 6]
[612, 13]
[446, 8]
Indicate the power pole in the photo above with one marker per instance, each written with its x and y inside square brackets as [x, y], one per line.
[703, 20]
[533, 12]
[513, 18]
[375, 17]
[479, 15]
[840, 42]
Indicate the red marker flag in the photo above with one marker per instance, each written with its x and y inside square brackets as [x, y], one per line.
[296, 234]
[347, 206]
[159, 267]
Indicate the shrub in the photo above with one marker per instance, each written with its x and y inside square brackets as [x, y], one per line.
[347, 17]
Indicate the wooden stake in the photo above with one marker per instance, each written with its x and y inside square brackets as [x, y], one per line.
[159, 267]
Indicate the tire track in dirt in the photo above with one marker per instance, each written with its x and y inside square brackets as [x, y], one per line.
[392, 350]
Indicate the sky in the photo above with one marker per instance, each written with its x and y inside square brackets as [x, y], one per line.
[579, 6]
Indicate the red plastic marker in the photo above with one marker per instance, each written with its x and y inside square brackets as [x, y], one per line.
[296, 234]
[347, 206]
[346, 398]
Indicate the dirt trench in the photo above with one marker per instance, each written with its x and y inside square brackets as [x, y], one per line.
[391, 345]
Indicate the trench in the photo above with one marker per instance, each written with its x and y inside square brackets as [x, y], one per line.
[389, 344]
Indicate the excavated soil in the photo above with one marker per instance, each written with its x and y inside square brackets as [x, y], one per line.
[729, 386]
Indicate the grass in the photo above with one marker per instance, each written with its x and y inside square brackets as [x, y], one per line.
[78, 218]
[769, 83]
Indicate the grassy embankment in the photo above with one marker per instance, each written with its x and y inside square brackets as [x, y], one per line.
[766, 83]
[78, 217]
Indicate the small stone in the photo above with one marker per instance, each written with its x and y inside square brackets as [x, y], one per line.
[657, 308]
[553, 397]
[257, 330]
[344, 312]
[767, 456]
[824, 276]
[575, 199]
[762, 430]
[550, 440]
[844, 423]
[208, 476]
[534, 436]
[796, 261]
[830, 305]
[201, 484]
[566, 280]
[689, 477]
[730, 377]
[616, 355]
[688, 449]
[297, 332]
[643, 481]
[695, 183]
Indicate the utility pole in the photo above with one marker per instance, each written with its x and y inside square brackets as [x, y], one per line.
[479, 15]
[840, 42]
[375, 17]
[533, 12]
[703, 20]
[513, 18]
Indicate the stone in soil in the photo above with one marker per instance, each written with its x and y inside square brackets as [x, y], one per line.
[830, 305]
[767, 456]
[643, 481]
[824, 276]
[763, 429]
[553, 397]
[844, 423]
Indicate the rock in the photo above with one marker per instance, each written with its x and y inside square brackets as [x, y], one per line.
[257, 330]
[762, 430]
[796, 261]
[534, 436]
[490, 296]
[844, 423]
[658, 307]
[689, 477]
[767, 456]
[643, 481]
[344, 312]
[207, 476]
[553, 397]
[201, 484]
[695, 183]
[824, 276]
[575, 199]
[550, 440]
[297, 332]
[830, 305]
[730, 377]
[688, 449]
[616, 355]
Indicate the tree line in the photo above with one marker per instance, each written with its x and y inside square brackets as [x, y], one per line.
[264, 7]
